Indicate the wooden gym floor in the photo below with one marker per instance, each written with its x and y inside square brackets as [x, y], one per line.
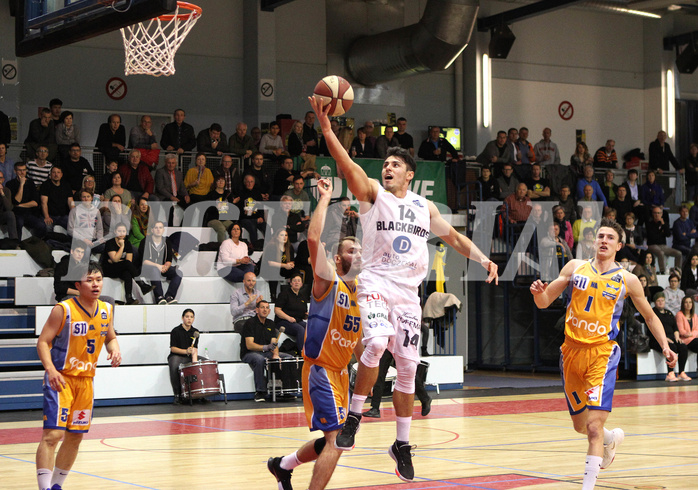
[507, 438]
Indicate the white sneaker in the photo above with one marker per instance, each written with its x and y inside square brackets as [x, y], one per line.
[609, 450]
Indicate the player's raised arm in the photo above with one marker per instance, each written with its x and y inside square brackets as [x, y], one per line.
[462, 244]
[358, 182]
[655, 325]
[323, 273]
[544, 293]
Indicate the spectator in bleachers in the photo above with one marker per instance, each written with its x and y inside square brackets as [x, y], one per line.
[651, 193]
[507, 182]
[341, 221]
[361, 147]
[261, 174]
[88, 183]
[241, 143]
[547, 151]
[199, 179]
[117, 262]
[497, 153]
[564, 225]
[283, 178]
[143, 138]
[114, 212]
[683, 231]
[404, 138]
[229, 173]
[234, 261]
[243, 301]
[55, 105]
[39, 169]
[657, 232]
[68, 270]
[634, 237]
[673, 294]
[687, 321]
[661, 155]
[433, 148]
[585, 247]
[251, 211]
[271, 144]
[291, 309]
[605, 157]
[7, 165]
[260, 342]
[169, 183]
[111, 139]
[538, 187]
[588, 179]
[689, 276]
[284, 218]
[310, 136]
[67, 134]
[488, 185]
[7, 217]
[609, 189]
[223, 200]
[553, 248]
[691, 168]
[212, 141]
[301, 199]
[117, 190]
[85, 223]
[518, 205]
[586, 221]
[25, 202]
[178, 136]
[671, 331]
[137, 177]
[647, 267]
[156, 256]
[527, 155]
[610, 213]
[110, 168]
[56, 200]
[568, 204]
[277, 260]
[140, 214]
[296, 146]
[42, 132]
[75, 167]
[256, 134]
[622, 203]
[580, 159]
[383, 142]
[587, 200]
[184, 348]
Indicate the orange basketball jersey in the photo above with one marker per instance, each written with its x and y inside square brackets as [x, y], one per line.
[333, 327]
[76, 348]
[595, 303]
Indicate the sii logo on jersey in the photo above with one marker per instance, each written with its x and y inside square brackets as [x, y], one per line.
[402, 245]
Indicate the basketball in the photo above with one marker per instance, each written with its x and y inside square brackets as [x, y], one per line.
[336, 92]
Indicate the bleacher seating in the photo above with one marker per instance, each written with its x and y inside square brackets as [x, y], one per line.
[652, 365]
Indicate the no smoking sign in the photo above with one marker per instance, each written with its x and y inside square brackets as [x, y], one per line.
[116, 88]
[565, 110]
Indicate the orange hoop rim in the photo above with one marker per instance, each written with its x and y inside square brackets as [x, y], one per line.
[194, 10]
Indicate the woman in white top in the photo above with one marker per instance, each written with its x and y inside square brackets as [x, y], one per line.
[233, 261]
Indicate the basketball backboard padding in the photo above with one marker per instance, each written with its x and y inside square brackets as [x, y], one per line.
[39, 27]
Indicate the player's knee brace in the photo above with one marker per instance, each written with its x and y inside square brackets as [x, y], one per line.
[406, 370]
[373, 351]
[319, 445]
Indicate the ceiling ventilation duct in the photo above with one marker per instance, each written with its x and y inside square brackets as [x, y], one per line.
[432, 44]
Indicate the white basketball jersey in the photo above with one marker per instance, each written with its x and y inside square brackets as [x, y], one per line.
[395, 234]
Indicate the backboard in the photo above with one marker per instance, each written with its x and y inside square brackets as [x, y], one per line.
[42, 25]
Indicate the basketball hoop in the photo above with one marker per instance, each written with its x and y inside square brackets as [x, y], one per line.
[151, 45]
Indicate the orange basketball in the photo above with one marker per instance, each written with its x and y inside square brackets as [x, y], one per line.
[336, 92]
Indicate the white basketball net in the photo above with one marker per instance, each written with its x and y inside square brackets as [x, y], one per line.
[151, 45]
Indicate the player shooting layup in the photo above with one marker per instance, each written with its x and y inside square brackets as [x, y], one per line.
[589, 356]
[69, 346]
[396, 224]
[332, 334]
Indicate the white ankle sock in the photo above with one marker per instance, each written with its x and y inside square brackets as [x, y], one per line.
[607, 436]
[43, 477]
[59, 476]
[357, 403]
[291, 461]
[591, 472]
[403, 428]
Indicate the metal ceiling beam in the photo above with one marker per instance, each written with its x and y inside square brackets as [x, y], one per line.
[484, 24]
